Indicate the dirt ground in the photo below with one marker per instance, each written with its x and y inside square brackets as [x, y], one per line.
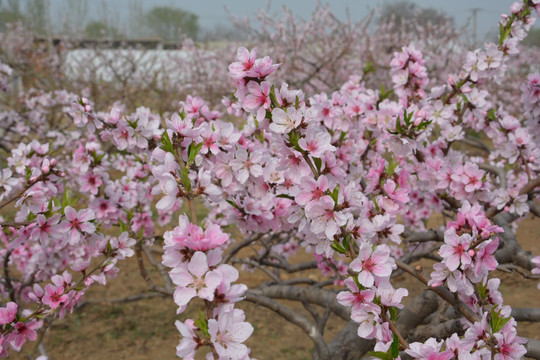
[145, 329]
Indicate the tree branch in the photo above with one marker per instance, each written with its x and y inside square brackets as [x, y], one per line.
[303, 323]
[311, 295]
[526, 314]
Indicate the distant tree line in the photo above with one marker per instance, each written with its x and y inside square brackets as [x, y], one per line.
[174, 24]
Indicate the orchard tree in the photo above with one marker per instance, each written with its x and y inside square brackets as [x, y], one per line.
[350, 176]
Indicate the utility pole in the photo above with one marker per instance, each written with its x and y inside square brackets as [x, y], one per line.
[474, 18]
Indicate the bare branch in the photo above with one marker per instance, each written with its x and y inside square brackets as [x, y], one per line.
[303, 323]
[123, 300]
[414, 313]
[530, 186]
[144, 273]
[430, 235]
[162, 270]
[438, 331]
[526, 314]
[347, 345]
[289, 268]
[443, 292]
[533, 348]
[509, 268]
[239, 246]
[310, 294]
[497, 171]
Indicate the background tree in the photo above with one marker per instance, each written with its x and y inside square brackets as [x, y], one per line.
[98, 29]
[10, 11]
[171, 23]
[533, 38]
[409, 15]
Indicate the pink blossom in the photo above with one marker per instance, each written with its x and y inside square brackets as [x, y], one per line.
[325, 218]
[194, 279]
[316, 142]
[23, 332]
[372, 263]
[190, 341]
[228, 333]
[355, 298]
[243, 67]
[258, 99]
[46, 228]
[76, 223]
[54, 296]
[284, 121]
[455, 250]
[312, 191]
[8, 314]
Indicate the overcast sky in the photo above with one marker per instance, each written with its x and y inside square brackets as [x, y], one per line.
[212, 12]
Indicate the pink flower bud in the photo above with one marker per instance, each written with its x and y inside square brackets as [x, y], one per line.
[53, 162]
[471, 252]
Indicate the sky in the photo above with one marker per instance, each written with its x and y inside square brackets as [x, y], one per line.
[212, 12]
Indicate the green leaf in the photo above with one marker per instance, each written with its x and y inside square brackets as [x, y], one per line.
[66, 199]
[273, 97]
[491, 115]
[296, 103]
[391, 167]
[133, 124]
[393, 313]
[334, 194]
[202, 324]
[423, 125]
[346, 244]
[377, 208]
[368, 68]
[193, 151]
[360, 286]
[318, 163]
[141, 232]
[482, 291]
[407, 118]
[185, 179]
[166, 141]
[285, 196]
[129, 215]
[235, 205]
[381, 355]
[394, 348]
[337, 247]
[399, 129]
[123, 226]
[260, 136]
[109, 247]
[497, 321]
[293, 139]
